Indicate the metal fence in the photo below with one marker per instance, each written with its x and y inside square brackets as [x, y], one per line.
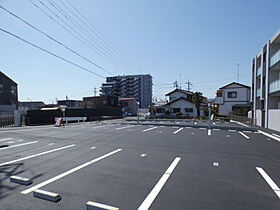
[7, 121]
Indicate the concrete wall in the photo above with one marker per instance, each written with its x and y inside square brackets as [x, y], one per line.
[274, 119]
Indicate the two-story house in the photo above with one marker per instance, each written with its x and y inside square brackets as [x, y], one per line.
[180, 101]
[233, 98]
[8, 95]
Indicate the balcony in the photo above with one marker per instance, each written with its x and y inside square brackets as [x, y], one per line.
[274, 86]
[259, 71]
[275, 58]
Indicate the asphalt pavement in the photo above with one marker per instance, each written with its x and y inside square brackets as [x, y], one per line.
[157, 166]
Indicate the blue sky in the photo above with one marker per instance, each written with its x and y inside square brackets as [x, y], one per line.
[201, 40]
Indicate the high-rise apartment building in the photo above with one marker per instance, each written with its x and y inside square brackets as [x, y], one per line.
[130, 86]
[265, 88]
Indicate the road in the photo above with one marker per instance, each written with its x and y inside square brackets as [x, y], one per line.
[140, 167]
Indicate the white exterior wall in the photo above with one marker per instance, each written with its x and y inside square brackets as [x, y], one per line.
[182, 104]
[175, 95]
[274, 119]
[258, 117]
[243, 97]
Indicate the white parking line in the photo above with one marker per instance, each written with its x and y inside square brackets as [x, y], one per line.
[177, 131]
[247, 137]
[157, 188]
[232, 130]
[239, 123]
[209, 132]
[269, 135]
[102, 126]
[216, 129]
[202, 128]
[124, 127]
[247, 131]
[162, 126]
[275, 135]
[188, 127]
[36, 155]
[143, 155]
[269, 181]
[69, 172]
[149, 129]
[6, 139]
[92, 147]
[19, 145]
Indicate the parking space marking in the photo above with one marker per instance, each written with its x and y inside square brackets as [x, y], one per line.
[149, 129]
[92, 147]
[102, 126]
[157, 188]
[69, 172]
[19, 145]
[202, 128]
[177, 131]
[247, 131]
[188, 127]
[36, 155]
[10, 142]
[232, 130]
[216, 129]
[244, 135]
[7, 139]
[51, 144]
[143, 155]
[209, 132]
[162, 126]
[269, 181]
[130, 126]
[269, 135]
[239, 123]
[275, 135]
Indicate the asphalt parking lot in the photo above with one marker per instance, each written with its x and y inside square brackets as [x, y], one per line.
[133, 166]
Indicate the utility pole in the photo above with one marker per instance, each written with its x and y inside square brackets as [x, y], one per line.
[238, 72]
[189, 84]
[180, 76]
[95, 91]
[175, 84]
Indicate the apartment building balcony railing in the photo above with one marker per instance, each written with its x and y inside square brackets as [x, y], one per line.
[259, 71]
[274, 86]
[258, 92]
[275, 58]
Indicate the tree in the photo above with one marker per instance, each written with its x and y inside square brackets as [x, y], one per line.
[197, 100]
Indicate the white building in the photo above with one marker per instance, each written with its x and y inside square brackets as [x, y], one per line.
[233, 98]
[180, 101]
[265, 89]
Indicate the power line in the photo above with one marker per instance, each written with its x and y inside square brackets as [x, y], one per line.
[108, 47]
[53, 39]
[79, 34]
[50, 53]
[99, 32]
[81, 28]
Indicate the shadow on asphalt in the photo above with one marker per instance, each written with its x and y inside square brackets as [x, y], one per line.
[5, 173]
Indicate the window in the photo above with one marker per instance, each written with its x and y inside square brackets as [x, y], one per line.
[189, 110]
[13, 90]
[1, 88]
[232, 94]
[175, 110]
